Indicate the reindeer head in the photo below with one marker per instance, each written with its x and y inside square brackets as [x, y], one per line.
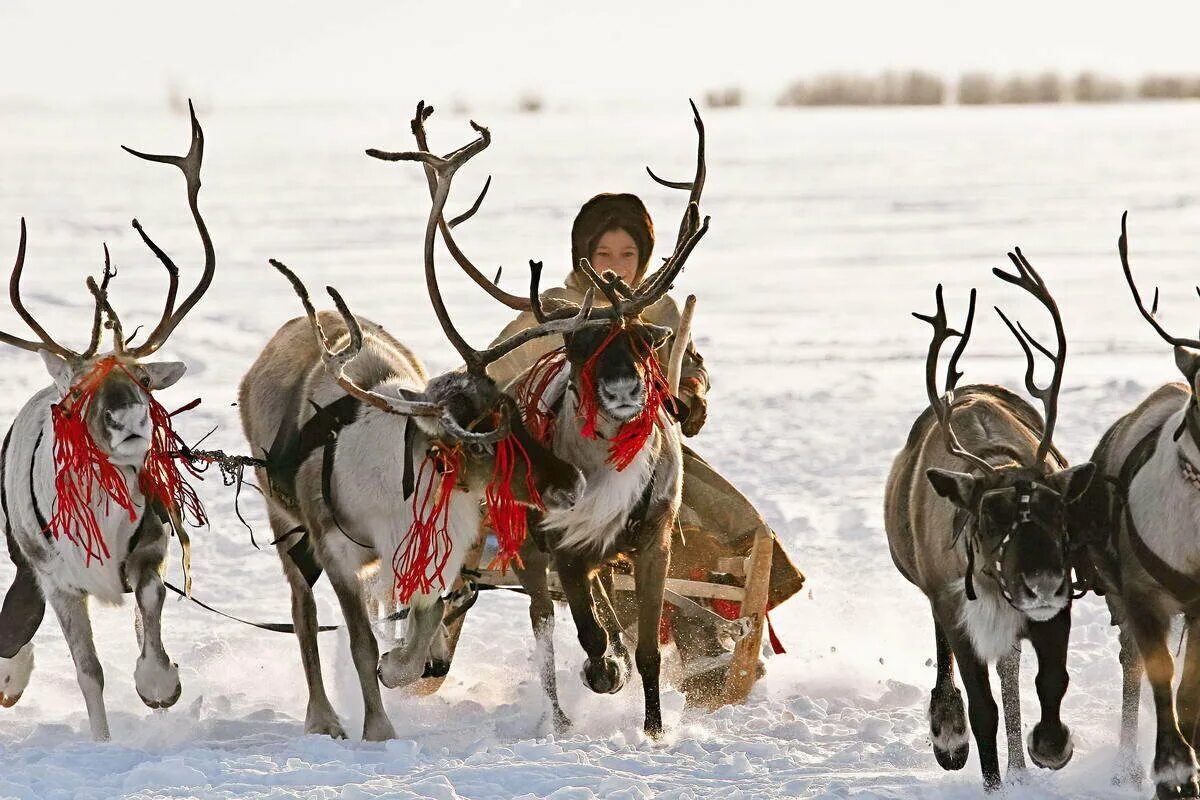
[1016, 521]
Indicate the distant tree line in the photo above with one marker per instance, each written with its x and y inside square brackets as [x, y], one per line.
[918, 88]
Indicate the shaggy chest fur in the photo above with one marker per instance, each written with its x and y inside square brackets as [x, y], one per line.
[596, 523]
[29, 493]
[992, 625]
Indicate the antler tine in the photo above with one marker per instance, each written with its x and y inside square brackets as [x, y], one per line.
[189, 165]
[696, 184]
[662, 280]
[172, 278]
[610, 291]
[1149, 316]
[336, 361]
[114, 322]
[551, 326]
[1029, 280]
[14, 296]
[513, 301]
[941, 402]
[97, 318]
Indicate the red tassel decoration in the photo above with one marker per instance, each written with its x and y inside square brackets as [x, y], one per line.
[82, 471]
[539, 421]
[505, 515]
[632, 436]
[160, 478]
[419, 560]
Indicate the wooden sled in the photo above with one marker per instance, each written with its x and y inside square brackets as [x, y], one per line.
[746, 632]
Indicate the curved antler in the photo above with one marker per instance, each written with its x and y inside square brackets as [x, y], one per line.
[1028, 279]
[336, 361]
[442, 170]
[189, 165]
[97, 318]
[696, 185]
[1149, 316]
[14, 295]
[942, 402]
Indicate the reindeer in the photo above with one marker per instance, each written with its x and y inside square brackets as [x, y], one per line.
[1146, 514]
[974, 512]
[82, 465]
[340, 384]
[601, 403]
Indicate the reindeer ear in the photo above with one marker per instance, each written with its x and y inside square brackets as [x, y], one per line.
[658, 334]
[957, 487]
[1073, 482]
[164, 373]
[58, 368]
[1188, 363]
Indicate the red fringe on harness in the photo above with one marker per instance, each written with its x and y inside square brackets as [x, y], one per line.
[505, 515]
[83, 474]
[632, 435]
[420, 559]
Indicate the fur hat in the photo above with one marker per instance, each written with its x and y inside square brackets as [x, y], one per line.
[607, 211]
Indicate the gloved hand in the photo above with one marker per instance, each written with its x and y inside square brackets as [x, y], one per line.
[691, 393]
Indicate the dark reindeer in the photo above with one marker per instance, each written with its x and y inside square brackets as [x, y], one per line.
[1145, 515]
[974, 512]
[345, 412]
[115, 539]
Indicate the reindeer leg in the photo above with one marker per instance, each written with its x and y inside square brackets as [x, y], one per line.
[947, 714]
[20, 617]
[533, 574]
[602, 673]
[650, 579]
[1009, 670]
[1174, 761]
[155, 677]
[1131, 695]
[364, 650]
[319, 718]
[1050, 742]
[1187, 699]
[72, 612]
[981, 705]
[604, 596]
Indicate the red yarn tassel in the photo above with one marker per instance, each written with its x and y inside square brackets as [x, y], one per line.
[505, 515]
[160, 478]
[419, 560]
[539, 420]
[82, 471]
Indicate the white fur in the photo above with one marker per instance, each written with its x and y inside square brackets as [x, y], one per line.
[992, 625]
[1165, 506]
[1179, 772]
[155, 681]
[598, 517]
[15, 672]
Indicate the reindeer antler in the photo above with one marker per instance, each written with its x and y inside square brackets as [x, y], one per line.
[941, 402]
[440, 170]
[14, 295]
[1149, 316]
[189, 165]
[1028, 279]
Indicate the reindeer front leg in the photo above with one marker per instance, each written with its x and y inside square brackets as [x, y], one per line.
[602, 672]
[1050, 744]
[1174, 761]
[532, 570]
[650, 580]
[71, 608]
[156, 677]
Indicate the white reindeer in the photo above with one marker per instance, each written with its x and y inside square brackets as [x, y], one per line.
[70, 538]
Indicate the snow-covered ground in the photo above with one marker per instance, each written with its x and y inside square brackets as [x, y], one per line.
[828, 228]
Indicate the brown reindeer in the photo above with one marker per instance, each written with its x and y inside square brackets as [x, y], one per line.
[974, 512]
[345, 412]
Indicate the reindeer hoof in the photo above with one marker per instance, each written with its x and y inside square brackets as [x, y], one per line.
[436, 668]
[14, 675]
[1050, 747]
[159, 687]
[606, 675]
[948, 729]
[1175, 769]
[562, 723]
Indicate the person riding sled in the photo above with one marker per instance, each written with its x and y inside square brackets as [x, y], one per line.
[615, 232]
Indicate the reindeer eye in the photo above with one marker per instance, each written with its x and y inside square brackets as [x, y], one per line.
[145, 381]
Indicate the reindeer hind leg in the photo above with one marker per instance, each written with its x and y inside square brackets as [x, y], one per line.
[20, 617]
[534, 578]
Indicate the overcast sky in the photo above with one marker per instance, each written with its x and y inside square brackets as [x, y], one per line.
[253, 51]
